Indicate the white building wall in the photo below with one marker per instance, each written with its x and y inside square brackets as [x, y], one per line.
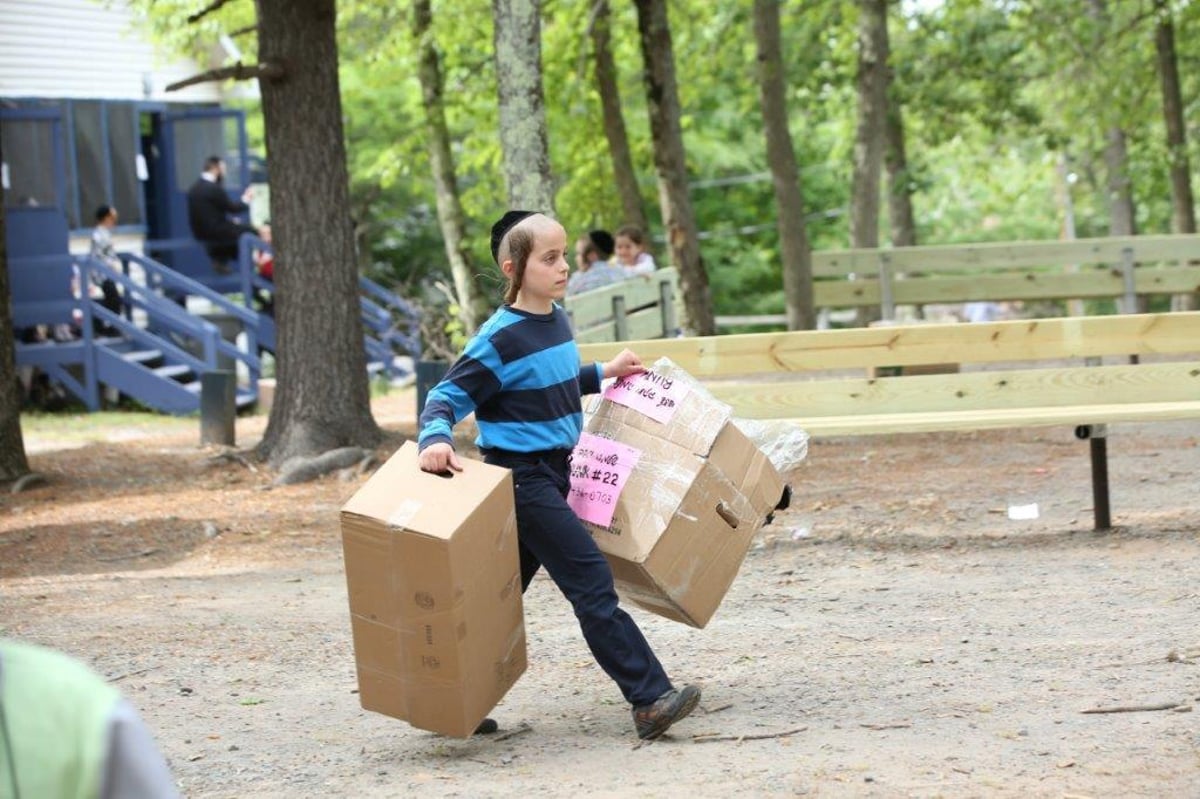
[82, 49]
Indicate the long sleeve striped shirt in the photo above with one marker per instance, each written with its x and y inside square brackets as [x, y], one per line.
[521, 376]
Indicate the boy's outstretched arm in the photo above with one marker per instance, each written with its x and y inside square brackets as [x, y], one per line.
[626, 363]
[471, 381]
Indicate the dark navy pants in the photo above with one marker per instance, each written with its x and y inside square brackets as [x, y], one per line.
[551, 535]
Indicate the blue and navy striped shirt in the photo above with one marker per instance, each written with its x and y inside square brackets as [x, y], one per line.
[521, 376]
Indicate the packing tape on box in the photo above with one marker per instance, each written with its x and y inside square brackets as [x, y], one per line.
[404, 513]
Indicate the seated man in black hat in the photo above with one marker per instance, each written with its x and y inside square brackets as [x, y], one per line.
[209, 209]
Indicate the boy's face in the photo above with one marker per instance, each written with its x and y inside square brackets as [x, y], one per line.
[545, 278]
[582, 255]
[626, 249]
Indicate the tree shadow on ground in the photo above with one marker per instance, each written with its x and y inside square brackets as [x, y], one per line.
[97, 548]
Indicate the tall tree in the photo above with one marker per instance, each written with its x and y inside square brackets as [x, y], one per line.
[1184, 211]
[1121, 211]
[323, 400]
[872, 116]
[670, 163]
[1183, 216]
[473, 303]
[614, 119]
[900, 184]
[523, 138]
[785, 177]
[13, 462]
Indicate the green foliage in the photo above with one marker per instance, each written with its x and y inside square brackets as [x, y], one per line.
[994, 93]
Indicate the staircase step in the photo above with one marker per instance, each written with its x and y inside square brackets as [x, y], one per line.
[172, 370]
[141, 356]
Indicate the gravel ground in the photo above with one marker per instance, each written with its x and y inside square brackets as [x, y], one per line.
[894, 634]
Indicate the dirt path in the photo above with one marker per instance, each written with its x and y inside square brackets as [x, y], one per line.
[897, 632]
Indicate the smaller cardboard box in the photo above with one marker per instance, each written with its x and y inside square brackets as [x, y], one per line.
[434, 584]
[683, 523]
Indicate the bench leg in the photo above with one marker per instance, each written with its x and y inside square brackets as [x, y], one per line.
[1097, 437]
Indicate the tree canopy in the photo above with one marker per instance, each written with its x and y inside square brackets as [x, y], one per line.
[997, 95]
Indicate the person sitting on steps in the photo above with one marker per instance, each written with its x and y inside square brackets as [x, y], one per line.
[209, 211]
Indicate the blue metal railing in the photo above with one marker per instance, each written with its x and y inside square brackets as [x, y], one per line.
[167, 282]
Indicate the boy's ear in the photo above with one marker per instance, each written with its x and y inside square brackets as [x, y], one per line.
[506, 267]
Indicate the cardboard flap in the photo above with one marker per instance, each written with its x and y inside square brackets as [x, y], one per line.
[432, 504]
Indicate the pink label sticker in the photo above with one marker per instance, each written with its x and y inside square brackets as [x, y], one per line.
[600, 468]
[649, 393]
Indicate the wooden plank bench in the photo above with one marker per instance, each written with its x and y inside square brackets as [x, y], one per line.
[1118, 268]
[638, 308]
[1086, 372]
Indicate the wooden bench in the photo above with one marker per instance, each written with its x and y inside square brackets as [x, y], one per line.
[1114, 268]
[1086, 372]
[641, 307]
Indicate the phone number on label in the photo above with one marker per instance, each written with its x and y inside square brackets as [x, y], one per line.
[603, 497]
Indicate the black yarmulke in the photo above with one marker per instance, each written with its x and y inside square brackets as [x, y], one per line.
[502, 226]
[603, 241]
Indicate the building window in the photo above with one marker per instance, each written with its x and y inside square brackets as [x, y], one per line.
[105, 149]
[29, 178]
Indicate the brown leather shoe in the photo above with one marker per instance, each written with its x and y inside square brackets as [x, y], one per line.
[654, 719]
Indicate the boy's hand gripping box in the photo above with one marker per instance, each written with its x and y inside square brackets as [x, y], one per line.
[686, 514]
[435, 592]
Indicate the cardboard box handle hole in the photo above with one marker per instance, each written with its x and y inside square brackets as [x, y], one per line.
[725, 513]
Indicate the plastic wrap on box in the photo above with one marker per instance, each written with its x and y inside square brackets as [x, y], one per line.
[701, 489]
[651, 497]
[784, 443]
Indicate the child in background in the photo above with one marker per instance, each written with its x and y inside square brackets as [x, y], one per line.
[264, 261]
[521, 376]
[592, 254]
[631, 252]
[102, 250]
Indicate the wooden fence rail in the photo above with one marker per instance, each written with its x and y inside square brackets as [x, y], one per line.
[638, 308]
[1104, 268]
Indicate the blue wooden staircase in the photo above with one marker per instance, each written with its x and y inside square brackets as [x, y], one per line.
[154, 351]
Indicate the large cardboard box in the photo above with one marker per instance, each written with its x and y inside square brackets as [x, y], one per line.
[689, 511]
[435, 592]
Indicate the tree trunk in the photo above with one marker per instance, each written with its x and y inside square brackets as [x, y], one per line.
[614, 120]
[670, 164]
[869, 134]
[1183, 217]
[323, 400]
[473, 303]
[781, 157]
[523, 139]
[13, 462]
[900, 188]
[1122, 213]
[1122, 217]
